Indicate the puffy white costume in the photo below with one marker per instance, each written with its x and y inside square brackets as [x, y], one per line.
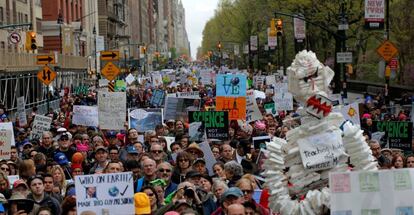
[321, 144]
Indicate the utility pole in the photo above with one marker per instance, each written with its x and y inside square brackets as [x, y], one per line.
[387, 32]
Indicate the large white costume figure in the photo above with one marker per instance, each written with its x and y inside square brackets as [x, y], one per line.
[300, 165]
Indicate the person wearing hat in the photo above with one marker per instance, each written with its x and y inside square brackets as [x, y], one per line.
[132, 153]
[40, 197]
[199, 165]
[27, 146]
[20, 186]
[101, 160]
[20, 199]
[232, 196]
[195, 150]
[64, 141]
[142, 203]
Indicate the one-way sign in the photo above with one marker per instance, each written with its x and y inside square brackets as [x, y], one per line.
[110, 55]
[45, 59]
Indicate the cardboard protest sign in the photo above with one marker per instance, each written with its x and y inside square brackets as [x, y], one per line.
[236, 106]
[145, 119]
[105, 193]
[177, 108]
[157, 98]
[368, 192]
[283, 101]
[231, 85]
[270, 107]
[321, 151]
[5, 143]
[205, 77]
[258, 81]
[259, 142]
[214, 123]
[398, 133]
[21, 111]
[253, 112]
[270, 80]
[156, 79]
[112, 110]
[129, 79]
[280, 88]
[208, 157]
[85, 115]
[8, 126]
[351, 113]
[40, 124]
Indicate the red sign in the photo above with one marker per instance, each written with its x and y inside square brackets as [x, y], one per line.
[393, 64]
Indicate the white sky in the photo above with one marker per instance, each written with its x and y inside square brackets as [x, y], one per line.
[197, 13]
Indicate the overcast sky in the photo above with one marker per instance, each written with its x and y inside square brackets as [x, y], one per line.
[197, 13]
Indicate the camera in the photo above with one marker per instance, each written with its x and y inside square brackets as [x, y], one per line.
[188, 192]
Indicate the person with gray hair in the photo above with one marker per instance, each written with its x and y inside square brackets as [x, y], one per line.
[46, 146]
[219, 187]
[234, 171]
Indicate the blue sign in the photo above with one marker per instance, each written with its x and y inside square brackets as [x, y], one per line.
[231, 85]
[157, 98]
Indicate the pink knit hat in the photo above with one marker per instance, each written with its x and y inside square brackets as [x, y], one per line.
[259, 125]
[82, 147]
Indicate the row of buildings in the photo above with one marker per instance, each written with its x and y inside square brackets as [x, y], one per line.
[85, 27]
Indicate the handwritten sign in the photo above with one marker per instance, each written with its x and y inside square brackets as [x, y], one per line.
[280, 88]
[40, 124]
[253, 113]
[214, 123]
[5, 143]
[157, 98]
[231, 85]
[270, 108]
[85, 115]
[156, 80]
[105, 193]
[8, 126]
[145, 119]
[258, 81]
[236, 106]
[283, 101]
[112, 110]
[321, 151]
[21, 112]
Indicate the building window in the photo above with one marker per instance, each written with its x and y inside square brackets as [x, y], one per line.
[1, 16]
[2, 45]
[26, 18]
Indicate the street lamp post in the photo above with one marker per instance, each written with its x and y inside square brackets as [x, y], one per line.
[60, 22]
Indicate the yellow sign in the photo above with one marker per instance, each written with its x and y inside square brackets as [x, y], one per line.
[387, 50]
[110, 55]
[110, 71]
[45, 59]
[46, 75]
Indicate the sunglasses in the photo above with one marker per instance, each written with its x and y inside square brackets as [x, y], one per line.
[164, 170]
[156, 151]
[5, 169]
[64, 139]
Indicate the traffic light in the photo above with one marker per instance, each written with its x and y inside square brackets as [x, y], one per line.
[31, 40]
[143, 49]
[272, 31]
[219, 46]
[279, 27]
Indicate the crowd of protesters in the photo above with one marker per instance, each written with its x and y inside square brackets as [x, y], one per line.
[47, 166]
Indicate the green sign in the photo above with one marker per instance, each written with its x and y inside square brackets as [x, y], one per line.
[120, 86]
[398, 133]
[215, 124]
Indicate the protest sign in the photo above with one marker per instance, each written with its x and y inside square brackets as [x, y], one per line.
[129, 79]
[270, 80]
[321, 151]
[112, 110]
[258, 81]
[169, 140]
[259, 142]
[12, 179]
[177, 108]
[40, 124]
[368, 192]
[120, 86]
[208, 157]
[283, 101]
[145, 119]
[231, 85]
[156, 79]
[205, 77]
[351, 113]
[157, 98]
[270, 107]
[185, 95]
[236, 106]
[214, 123]
[336, 99]
[85, 115]
[253, 113]
[103, 82]
[8, 126]
[21, 112]
[5, 143]
[398, 133]
[280, 88]
[105, 193]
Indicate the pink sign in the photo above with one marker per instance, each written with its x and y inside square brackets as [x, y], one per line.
[340, 183]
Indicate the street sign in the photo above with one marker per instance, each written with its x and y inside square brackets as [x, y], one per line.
[344, 57]
[387, 50]
[46, 75]
[393, 64]
[110, 71]
[110, 55]
[15, 38]
[45, 59]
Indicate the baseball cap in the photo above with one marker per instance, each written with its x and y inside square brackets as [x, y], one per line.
[192, 173]
[142, 203]
[199, 160]
[60, 158]
[65, 134]
[232, 191]
[100, 148]
[132, 150]
[20, 182]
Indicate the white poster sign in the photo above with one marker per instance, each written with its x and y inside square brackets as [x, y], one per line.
[21, 112]
[129, 79]
[321, 151]
[100, 43]
[8, 126]
[258, 81]
[283, 101]
[300, 29]
[103, 82]
[208, 156]
[236, 50]
[5, 143]
[112, 110]
[253, 112]
[372, 192]
[85, 115]
[280, 88]
[156, 80]
[40, 124]
[253, 43]
[351, 113]
[270, 80]
[105, 193]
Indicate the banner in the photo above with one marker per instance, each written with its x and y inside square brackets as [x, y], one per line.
[105, 193]
[186, 95]
[373, 193]
[253, 113]
[157, 98]
[5, 143]
[144, 119]
[283, 101]
[40, 124]
[112, 110]
[85, 115]
[214, 123]
[177, 108]
[8, 126]
[236, 106]
[398, 133]
[231, 85]
[374, 14]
